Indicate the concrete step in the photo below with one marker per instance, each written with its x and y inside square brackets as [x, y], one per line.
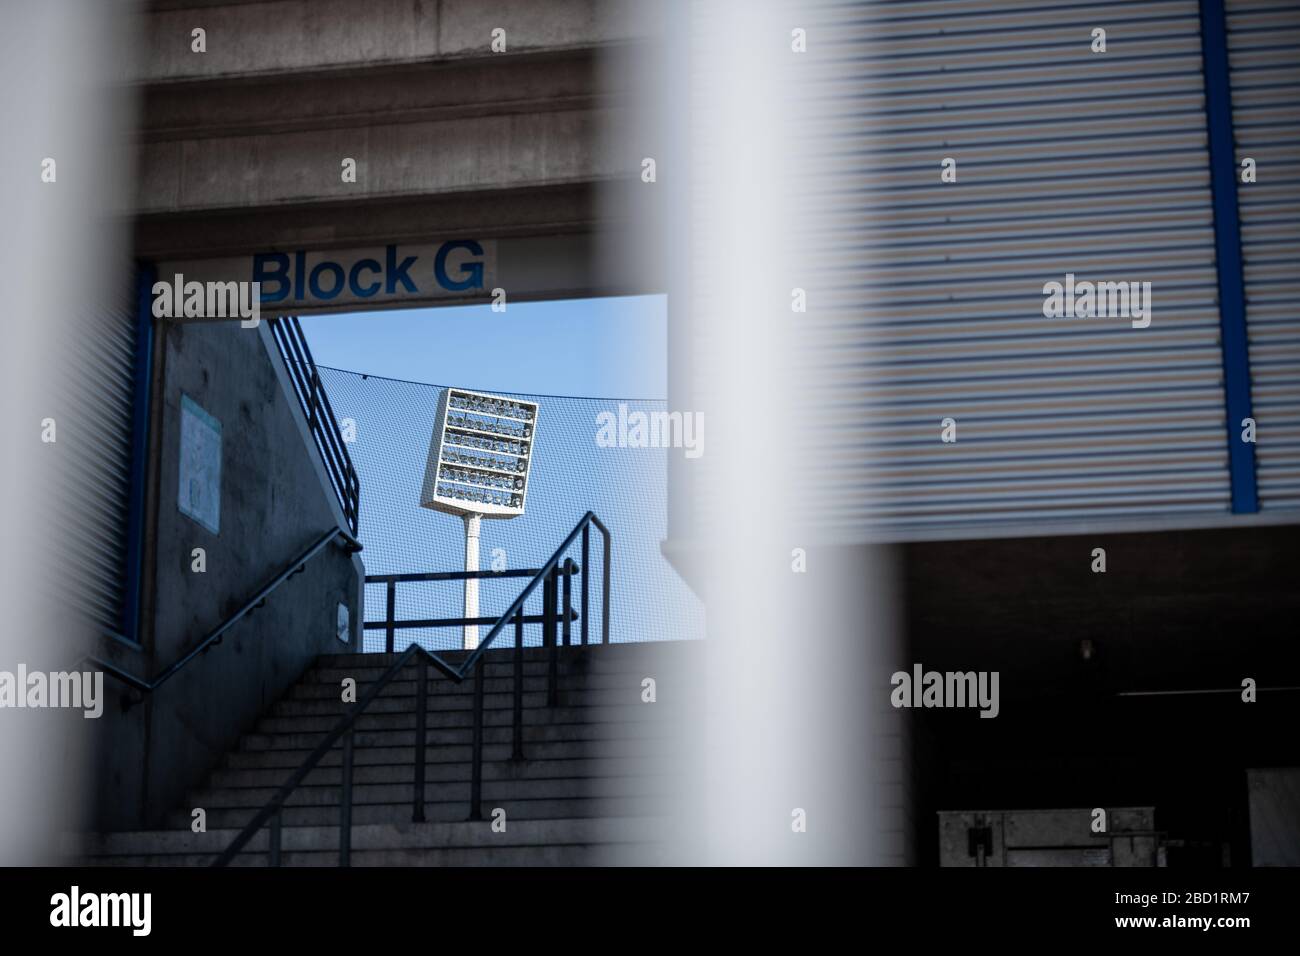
[494, 790]
[568, 662]
[452, 753]
[613, 656]
[383, 836]
[397, 703]
[532, 856]
[598, 768]
[405, 685]
[397, 718]
[463, 736]
[447, 772]
[573, 662]
[445, 810]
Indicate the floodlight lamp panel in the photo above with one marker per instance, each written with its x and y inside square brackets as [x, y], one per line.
[480, 455]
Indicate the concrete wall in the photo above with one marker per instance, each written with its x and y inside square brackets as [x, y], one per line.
[533, 151]
[273, 506]
[239, 149]
[270, 37]
[411, 91]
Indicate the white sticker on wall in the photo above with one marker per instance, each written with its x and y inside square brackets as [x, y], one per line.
[198, 492]
[343, 629]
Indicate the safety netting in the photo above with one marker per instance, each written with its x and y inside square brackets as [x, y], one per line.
[390, 422]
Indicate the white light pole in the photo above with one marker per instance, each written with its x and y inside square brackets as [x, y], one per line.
[479, 459]
[471, 584]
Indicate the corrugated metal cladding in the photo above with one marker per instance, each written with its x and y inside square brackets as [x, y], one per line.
[928, 300]
[1264, 68]
[98, 433]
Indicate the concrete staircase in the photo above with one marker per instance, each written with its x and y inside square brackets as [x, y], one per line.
[593, 788]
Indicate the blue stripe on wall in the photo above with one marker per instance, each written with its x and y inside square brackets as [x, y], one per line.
[1227, 240]
[145, 278]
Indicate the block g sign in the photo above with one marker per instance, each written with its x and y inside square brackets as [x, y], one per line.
[459, 268]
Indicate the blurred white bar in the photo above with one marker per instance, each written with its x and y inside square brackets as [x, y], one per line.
[60, 98]
[791, 717]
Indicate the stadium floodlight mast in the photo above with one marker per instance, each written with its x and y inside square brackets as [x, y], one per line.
[479, 459]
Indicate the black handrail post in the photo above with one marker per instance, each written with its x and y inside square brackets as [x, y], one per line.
[476, 758]
[392, 615]
[518, 734]
[356, 503]
[274, 847]
[315, 384]
[586, 574]
[604, 601]
[568, 601]
[345, 809]
[421, 717]
[547, 610]
[553, 638]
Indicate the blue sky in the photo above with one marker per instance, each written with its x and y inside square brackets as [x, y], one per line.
[607, 347]
[591, 348]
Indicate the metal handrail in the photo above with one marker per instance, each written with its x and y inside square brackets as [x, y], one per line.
[390, 625]
[321, 422]
[344, 728]
[215, 636]
[587, 520]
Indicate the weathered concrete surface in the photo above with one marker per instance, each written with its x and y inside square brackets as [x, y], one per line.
[463, 89]
[273, 506]
[240, 149]
[422, 104]
[512, 151]
[268, 38]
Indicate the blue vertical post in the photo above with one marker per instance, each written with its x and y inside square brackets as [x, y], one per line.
[1227, 245]
[146, 275]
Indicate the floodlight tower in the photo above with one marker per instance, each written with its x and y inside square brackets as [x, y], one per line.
[479, 459]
